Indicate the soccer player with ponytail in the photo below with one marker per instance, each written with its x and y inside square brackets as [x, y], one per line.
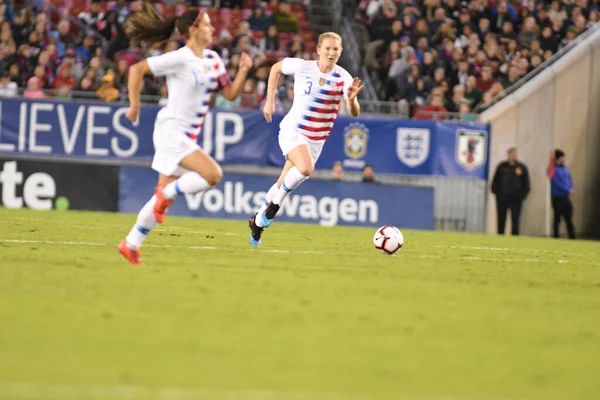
[192, 73]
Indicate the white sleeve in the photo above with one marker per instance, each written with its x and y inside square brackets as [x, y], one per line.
[165, 64]
[291, 66]
[347, 79]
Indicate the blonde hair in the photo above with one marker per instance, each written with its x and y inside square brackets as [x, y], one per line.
[328, 35]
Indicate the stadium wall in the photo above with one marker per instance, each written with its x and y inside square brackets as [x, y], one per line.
[556, 109]
[447, 158]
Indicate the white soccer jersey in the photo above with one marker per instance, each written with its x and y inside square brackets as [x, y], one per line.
[317, 97]
[190, 81]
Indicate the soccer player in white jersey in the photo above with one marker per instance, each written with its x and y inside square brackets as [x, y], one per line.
[193, 72]
[319, 86]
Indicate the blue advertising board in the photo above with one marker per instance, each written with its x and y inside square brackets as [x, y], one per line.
[69, 129]
[238, 196]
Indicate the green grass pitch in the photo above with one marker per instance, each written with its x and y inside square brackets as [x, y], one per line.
[315, 313]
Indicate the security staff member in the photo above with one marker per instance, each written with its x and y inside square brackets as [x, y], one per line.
[560, 190]
[511, 186]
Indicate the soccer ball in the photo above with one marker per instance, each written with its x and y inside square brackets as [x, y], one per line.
[388, 239]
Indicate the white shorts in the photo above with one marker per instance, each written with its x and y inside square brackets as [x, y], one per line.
[290, 139]
[171, 147]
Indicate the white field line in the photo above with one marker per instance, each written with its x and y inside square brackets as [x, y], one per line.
[282, 251]
[172, 229]
[165, 246]
[36, 391]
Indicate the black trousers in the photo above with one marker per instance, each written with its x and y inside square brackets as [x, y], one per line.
[503, 204]
[563, 208]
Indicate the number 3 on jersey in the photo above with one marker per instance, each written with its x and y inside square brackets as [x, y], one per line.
[308, 87]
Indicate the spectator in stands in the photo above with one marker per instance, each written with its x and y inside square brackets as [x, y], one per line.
[121, 10]
[48, 55]
[40, 73]
[270, 42]
[284, 19]
[250, 97]
[7, 87]
[222, 102]
[64, 77]
[278, 105]
[14, 71]
[122, 74]
[25, 60]
[34, 90]
[461, 75]
[22, 25]
[259, 21]
[368, 174]
[288, 99]
[571, 35]
[467, 40]
[458, 98]
[63, 37]
[114, 32]
[224, 47]
[245, 46]
[6, 39]
[528, 33]
[108, 90]
[243, 30]
[70, 58]
[84, 50]
[261, 75]
[548, 40]
[465, 112]
[485, 82]
[35, 43]
[513, 76]
[337, 171]
[434, 110]
[91, 16]
[417, 93]
[296, 44]
[95, 70]
[43, 60]
[510, 184]
[85, 85]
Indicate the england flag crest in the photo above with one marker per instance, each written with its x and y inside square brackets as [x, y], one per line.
[412, 146]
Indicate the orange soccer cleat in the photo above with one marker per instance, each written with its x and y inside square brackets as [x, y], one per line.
[162, 203]
[133, 256]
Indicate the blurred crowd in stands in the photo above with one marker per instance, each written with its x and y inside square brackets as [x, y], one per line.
[79, 49]
[445, 56]
[435, 56]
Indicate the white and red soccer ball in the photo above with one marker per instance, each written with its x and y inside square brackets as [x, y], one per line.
[388, 239]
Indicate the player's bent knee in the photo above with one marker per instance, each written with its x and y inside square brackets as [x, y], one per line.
[306, 170]
[214, 177]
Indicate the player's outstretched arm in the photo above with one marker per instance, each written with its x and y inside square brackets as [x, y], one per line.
[134, 86]
[352, 100]
[274, 75]
[235, 88]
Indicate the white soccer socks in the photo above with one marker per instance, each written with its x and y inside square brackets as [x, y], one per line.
[189, 182]
[144, 224]
[292, 179]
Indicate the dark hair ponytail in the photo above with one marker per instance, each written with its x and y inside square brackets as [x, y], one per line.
[148, 25]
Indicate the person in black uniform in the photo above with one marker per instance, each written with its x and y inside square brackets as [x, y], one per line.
[511, 186]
